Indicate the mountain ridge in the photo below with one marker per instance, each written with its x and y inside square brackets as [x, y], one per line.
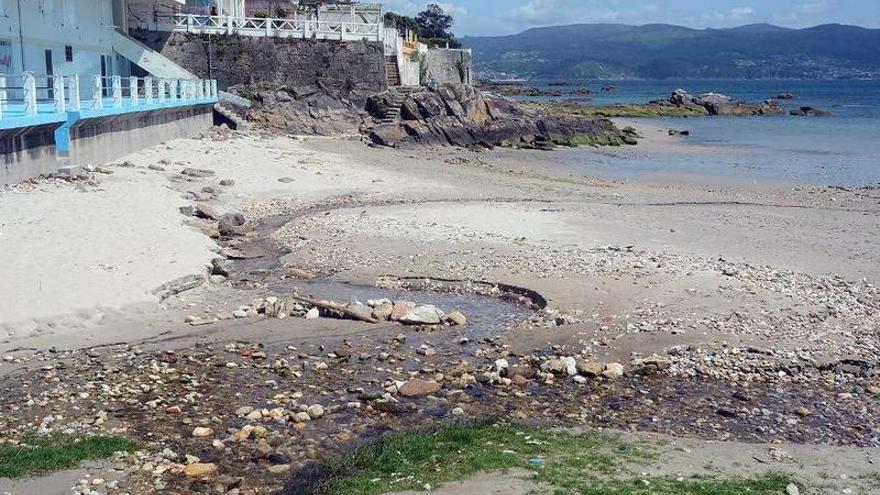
[662, 51]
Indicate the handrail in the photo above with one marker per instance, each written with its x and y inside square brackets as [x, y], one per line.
[176, 21]
[22, 95]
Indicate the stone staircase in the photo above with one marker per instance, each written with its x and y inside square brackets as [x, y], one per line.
[392, 114]
[231, 110]
[392, 71]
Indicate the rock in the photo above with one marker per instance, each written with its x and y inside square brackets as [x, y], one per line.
[244, 410]
[651, 365]
[275, 308]
[382, 312]
[423, 315]
[202, 432]
[200, 470]
[299, 274]
[810, 112]
[219, 267]
[302, 417]
[313, 314]
[560, 366]
[401, 309]
[590, 369]
[426, 351]
[501, 366]
[802, 412]
[315, 411]
[205, 212]
[362, 311]
[227, 182]
[456, 319]
[785, 96]
[179, 285]
[232, 224]
[286, 180]
[613, 371]
[419, 388]
[792, 489]
[197, 172]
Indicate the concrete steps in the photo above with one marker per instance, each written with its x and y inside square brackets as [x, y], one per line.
[229, 117]
[392, 114]
[392, 71]
[148, 59]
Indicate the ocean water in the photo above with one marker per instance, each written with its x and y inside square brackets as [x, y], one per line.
[842, 150]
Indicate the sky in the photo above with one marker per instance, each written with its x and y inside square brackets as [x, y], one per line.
[500, 17]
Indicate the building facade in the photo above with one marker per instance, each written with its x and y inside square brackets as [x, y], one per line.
[65, 37]
[60, 37]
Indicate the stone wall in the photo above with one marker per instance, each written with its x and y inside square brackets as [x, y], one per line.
[448, 66]
[339, 66]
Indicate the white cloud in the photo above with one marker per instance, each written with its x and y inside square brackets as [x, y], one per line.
[741, 13]
[547, 12]
[812, 8]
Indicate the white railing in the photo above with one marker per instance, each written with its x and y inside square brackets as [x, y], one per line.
[256, 26]
[28, 94]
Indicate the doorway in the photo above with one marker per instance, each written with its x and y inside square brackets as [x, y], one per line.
[50, 71]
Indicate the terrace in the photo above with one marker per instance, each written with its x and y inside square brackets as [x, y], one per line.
[28, 100]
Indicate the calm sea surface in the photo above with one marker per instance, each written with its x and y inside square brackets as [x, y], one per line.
[840, 150]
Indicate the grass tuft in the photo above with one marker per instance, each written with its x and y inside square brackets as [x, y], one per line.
[45, 454]
[586, 464]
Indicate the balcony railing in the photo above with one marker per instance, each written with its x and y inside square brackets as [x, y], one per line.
[151, 18]
[28, 95]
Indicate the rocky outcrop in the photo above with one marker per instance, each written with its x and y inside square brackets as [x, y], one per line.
[302, 110]
[460, 115]
[719, 104]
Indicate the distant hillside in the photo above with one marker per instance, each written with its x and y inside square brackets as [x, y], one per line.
[661, 51]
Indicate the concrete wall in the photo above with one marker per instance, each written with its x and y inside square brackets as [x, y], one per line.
[100, 140]
[85, 25]
[30, 152]
[27, 152]
[337, 65]
[448, 66]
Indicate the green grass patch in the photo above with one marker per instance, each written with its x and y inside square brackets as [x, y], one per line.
[587, 464]
[632, 111]
[53, 453]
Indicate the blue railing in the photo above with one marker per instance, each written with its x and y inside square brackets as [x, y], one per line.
[28, 99]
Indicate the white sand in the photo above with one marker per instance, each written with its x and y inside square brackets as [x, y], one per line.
[76, 254]
[68, 251]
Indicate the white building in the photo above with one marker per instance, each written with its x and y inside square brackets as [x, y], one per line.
[64, 37]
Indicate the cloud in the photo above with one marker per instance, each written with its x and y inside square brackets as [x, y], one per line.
[813, 8]
[408, 7]
[741, 13]
[546, 12]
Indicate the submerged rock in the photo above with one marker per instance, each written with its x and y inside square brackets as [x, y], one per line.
[810, 112]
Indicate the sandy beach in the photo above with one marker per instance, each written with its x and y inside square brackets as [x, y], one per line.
[766, 288]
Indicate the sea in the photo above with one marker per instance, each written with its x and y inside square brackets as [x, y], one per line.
[841, 150]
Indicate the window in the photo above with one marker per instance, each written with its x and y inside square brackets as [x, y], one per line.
[68, 53]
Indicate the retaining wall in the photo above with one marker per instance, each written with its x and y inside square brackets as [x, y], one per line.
[342, 66]
[448, 66]
[39, 150]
